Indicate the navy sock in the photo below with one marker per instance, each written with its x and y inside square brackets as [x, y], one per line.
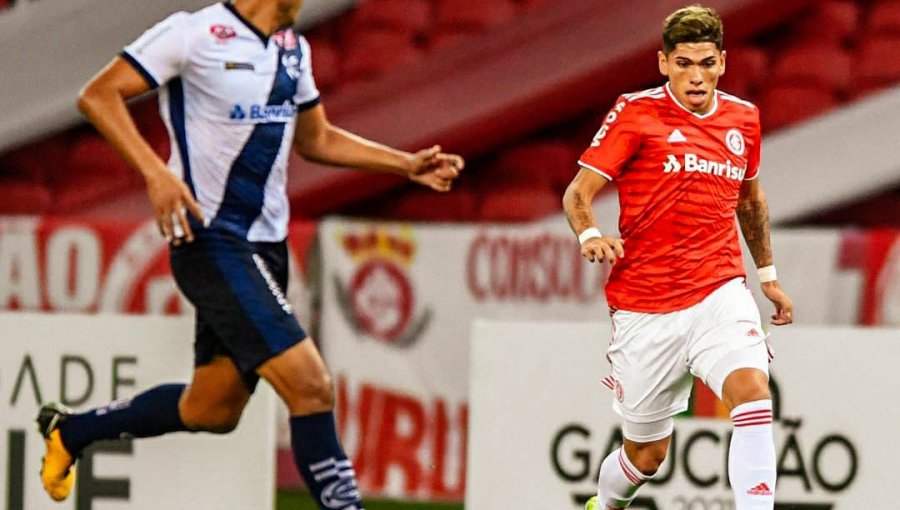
[322, 462]
[151, 413]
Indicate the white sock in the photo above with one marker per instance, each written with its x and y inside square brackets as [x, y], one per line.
[619, 481]
[751, 461]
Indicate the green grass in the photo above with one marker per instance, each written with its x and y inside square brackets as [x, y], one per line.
[296, 500]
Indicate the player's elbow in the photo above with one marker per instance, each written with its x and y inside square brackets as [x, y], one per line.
[311, 147]
[88, 98]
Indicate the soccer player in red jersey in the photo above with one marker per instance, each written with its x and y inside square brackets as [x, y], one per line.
[685, 157]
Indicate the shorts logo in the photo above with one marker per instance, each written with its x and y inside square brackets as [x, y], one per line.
[274, 288]
[754, 333]
[735, 142]
[614, 384]
[222, 32]
[760, 490]
[380, 300]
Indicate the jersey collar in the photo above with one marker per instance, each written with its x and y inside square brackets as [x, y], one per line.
[715, 105]
[263, 37]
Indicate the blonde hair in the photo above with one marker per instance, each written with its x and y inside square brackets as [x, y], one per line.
[692, 24]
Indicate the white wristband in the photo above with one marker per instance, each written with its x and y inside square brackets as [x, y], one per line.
[767, 274]
[589, 233]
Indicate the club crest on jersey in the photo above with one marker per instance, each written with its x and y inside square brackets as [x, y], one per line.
[695, 163]
[222, 32]
[291, 63]
[735, 142]
[285, 39]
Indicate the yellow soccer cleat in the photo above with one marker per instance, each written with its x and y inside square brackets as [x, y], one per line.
[58, 465]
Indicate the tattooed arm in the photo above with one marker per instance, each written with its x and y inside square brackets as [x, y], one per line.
[577, 206]
[753, 216]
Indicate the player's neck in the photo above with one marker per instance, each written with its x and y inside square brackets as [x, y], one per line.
[267, 16]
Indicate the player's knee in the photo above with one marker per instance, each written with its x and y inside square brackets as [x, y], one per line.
[317, 391]
[217, 419]
[647, 460]
[745, 385]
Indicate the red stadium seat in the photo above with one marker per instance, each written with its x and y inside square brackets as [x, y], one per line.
[22, 197]
[884, 18]
[544, 164]
[420, 204]
[513, 204]
[408, 16]
[326, 64]
[827, 66]
[93, 172]
[834, 21]
[369, 54]
[151, 126]
[447, 37]
[534, 4]
[878, 60]
[745, 67]
[34, 162]
[473, 14]
[789, 104]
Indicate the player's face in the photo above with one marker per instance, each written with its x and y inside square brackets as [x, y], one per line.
[693, 70]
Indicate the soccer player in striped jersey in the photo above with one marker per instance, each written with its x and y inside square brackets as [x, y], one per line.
[685, 157]
[237, 95]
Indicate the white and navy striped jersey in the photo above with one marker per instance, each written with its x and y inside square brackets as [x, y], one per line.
[229, 96]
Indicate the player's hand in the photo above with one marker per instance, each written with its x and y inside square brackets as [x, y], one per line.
[784, 307]
[172, 200]
[435, 169]
[602, 249]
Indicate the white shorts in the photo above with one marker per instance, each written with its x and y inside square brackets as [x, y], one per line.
[654, 355]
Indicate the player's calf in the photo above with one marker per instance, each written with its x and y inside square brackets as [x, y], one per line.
[627, 469]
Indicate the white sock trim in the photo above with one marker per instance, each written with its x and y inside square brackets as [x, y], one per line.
[758, 412]
[633, 474]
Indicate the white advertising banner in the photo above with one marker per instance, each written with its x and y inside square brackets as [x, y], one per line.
[541, 422]
[397, 305]
[56, 264]
[398, 301]
[86, 361]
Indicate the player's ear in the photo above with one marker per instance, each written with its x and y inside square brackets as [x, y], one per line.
[722, 63]
[663, 63]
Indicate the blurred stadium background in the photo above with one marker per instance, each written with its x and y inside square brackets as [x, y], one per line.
[388, 276]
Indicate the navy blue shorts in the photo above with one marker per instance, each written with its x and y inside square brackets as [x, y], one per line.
[238, 288]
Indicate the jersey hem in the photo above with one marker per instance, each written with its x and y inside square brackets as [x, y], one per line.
[312, 103]
[697, 297]
[151, 81]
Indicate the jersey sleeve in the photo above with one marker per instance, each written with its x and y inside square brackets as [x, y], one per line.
[617, 141]
[159, 53]
[755, 151]
[307, 95]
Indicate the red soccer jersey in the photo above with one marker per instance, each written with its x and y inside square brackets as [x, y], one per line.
[679, 175]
